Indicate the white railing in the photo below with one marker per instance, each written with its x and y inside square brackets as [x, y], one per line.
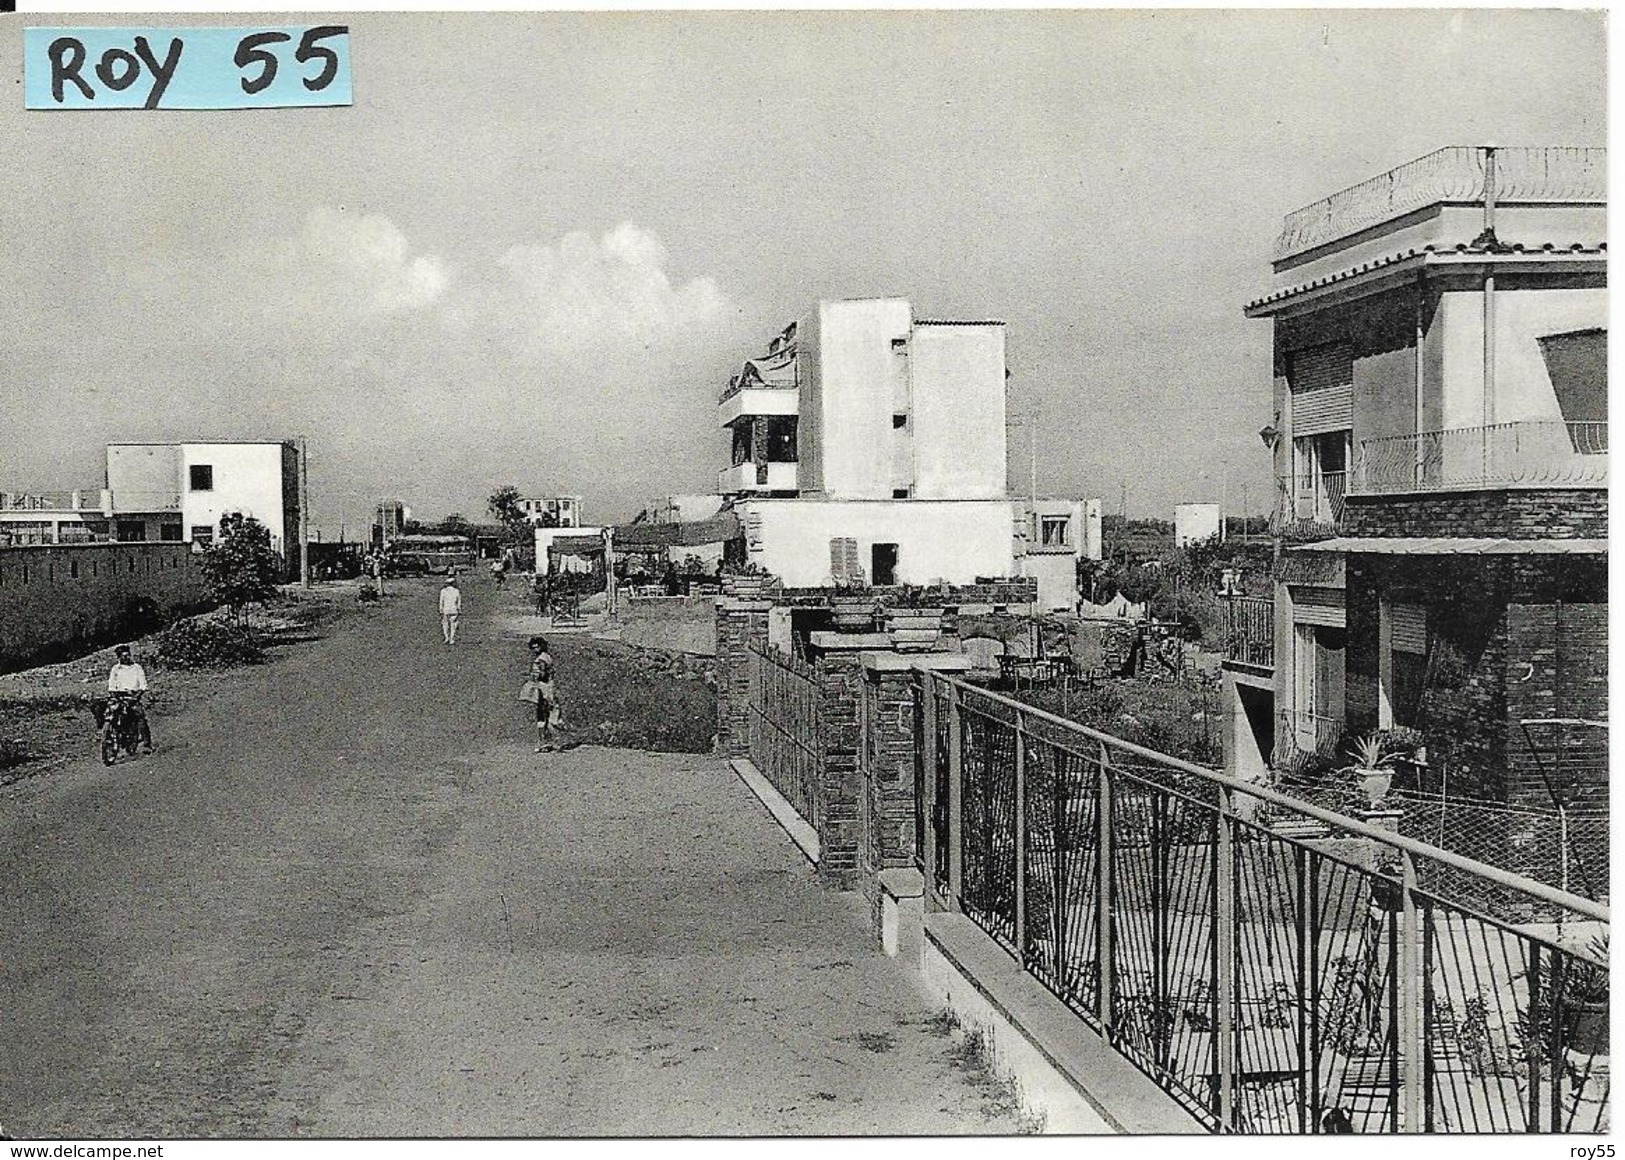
[1538, 453]
[85, 500]
[1561, 174]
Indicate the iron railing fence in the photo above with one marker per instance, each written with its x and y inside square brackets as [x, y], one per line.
[1536, 453]
[1270, 982]
[786, 726]
[1251, 637]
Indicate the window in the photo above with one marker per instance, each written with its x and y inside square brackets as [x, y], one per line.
[899, 422]
[171, 533]
[202, 477]
[73, 569]
[1401, 663]
[1053, 531]
[132, 531]
[202, 535]
[899, 493]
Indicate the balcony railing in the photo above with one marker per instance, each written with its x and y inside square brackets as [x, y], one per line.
[84, 500]
[1300, 731]
[744, 477]
[1541, 453]
[1272, 983]
[1251, 639]
[1310, 506]
[1452, 174]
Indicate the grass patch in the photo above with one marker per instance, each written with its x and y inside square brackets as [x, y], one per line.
[615, 695]
[972, 1052]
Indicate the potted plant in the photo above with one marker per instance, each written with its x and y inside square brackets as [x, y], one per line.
[1585, 998]
[1372, 763]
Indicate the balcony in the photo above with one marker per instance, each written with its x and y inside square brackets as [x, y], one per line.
[748, 477]
[1251, 638]
[1310, 507]
[757, 399]
[1542, 453]
[1551, 175]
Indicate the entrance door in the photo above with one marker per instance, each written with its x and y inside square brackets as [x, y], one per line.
[883, 564]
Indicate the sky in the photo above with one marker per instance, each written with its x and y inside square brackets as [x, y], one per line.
[536, 246]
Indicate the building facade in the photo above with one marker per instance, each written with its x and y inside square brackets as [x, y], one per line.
[867, 444]
[179, 491]
[1052, 536]
[1440, 441]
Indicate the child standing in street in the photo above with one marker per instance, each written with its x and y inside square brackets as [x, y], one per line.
[539, 688]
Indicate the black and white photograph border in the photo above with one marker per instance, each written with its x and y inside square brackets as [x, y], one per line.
[745, 578]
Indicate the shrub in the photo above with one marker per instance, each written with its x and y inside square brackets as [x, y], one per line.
[208, 644]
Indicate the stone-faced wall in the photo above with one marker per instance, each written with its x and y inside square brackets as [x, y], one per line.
[57, 599]
[1489, 617]
[1512, 513]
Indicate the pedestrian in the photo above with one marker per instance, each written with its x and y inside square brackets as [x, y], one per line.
[451, 607]
[538, 690]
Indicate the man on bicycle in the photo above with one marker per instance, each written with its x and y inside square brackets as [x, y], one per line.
[127, 683]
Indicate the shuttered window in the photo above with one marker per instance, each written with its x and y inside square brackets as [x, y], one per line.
[1318, 606]
[1408, 628]
[1322, 383]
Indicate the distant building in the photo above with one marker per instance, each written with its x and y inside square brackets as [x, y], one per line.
[1441, 441]
[560, 511]
[55, 517]
[1052, 536]
[867, 444]
[389, 522]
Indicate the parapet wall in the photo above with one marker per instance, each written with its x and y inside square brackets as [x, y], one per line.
[57, 599]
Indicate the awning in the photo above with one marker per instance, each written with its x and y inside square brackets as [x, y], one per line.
[576, 546]
[1455, 546]
[719, 529]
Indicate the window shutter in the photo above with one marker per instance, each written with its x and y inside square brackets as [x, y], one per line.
[1322, 383]
[1408, 628]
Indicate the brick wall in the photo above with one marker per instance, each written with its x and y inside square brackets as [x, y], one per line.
[58, 599]
[1518, 514]
[1557, 666]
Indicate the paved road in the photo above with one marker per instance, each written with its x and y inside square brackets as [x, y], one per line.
[345, 899]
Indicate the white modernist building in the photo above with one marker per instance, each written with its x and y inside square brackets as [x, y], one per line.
[870, 445]
[168, 493]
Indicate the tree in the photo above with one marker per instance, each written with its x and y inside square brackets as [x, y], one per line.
[241, 566]
[504, 505]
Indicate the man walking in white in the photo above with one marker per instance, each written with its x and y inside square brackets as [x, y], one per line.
[451, 607]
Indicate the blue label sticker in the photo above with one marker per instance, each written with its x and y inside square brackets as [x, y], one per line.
[186, 68]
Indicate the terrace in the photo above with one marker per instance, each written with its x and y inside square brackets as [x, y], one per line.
[1455, 175]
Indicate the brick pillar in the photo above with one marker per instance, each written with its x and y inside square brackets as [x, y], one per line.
[740, 623]
[840, 836]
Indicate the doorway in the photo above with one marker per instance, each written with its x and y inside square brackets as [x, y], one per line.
[883, 565]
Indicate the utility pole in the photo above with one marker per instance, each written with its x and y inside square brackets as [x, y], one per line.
[304, 513]
[1122, 519]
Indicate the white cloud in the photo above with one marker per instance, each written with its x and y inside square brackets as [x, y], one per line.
[361, 263]
[581, 294]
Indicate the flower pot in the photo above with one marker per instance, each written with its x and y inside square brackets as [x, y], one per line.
[1585, 1025]
[1376, 783]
